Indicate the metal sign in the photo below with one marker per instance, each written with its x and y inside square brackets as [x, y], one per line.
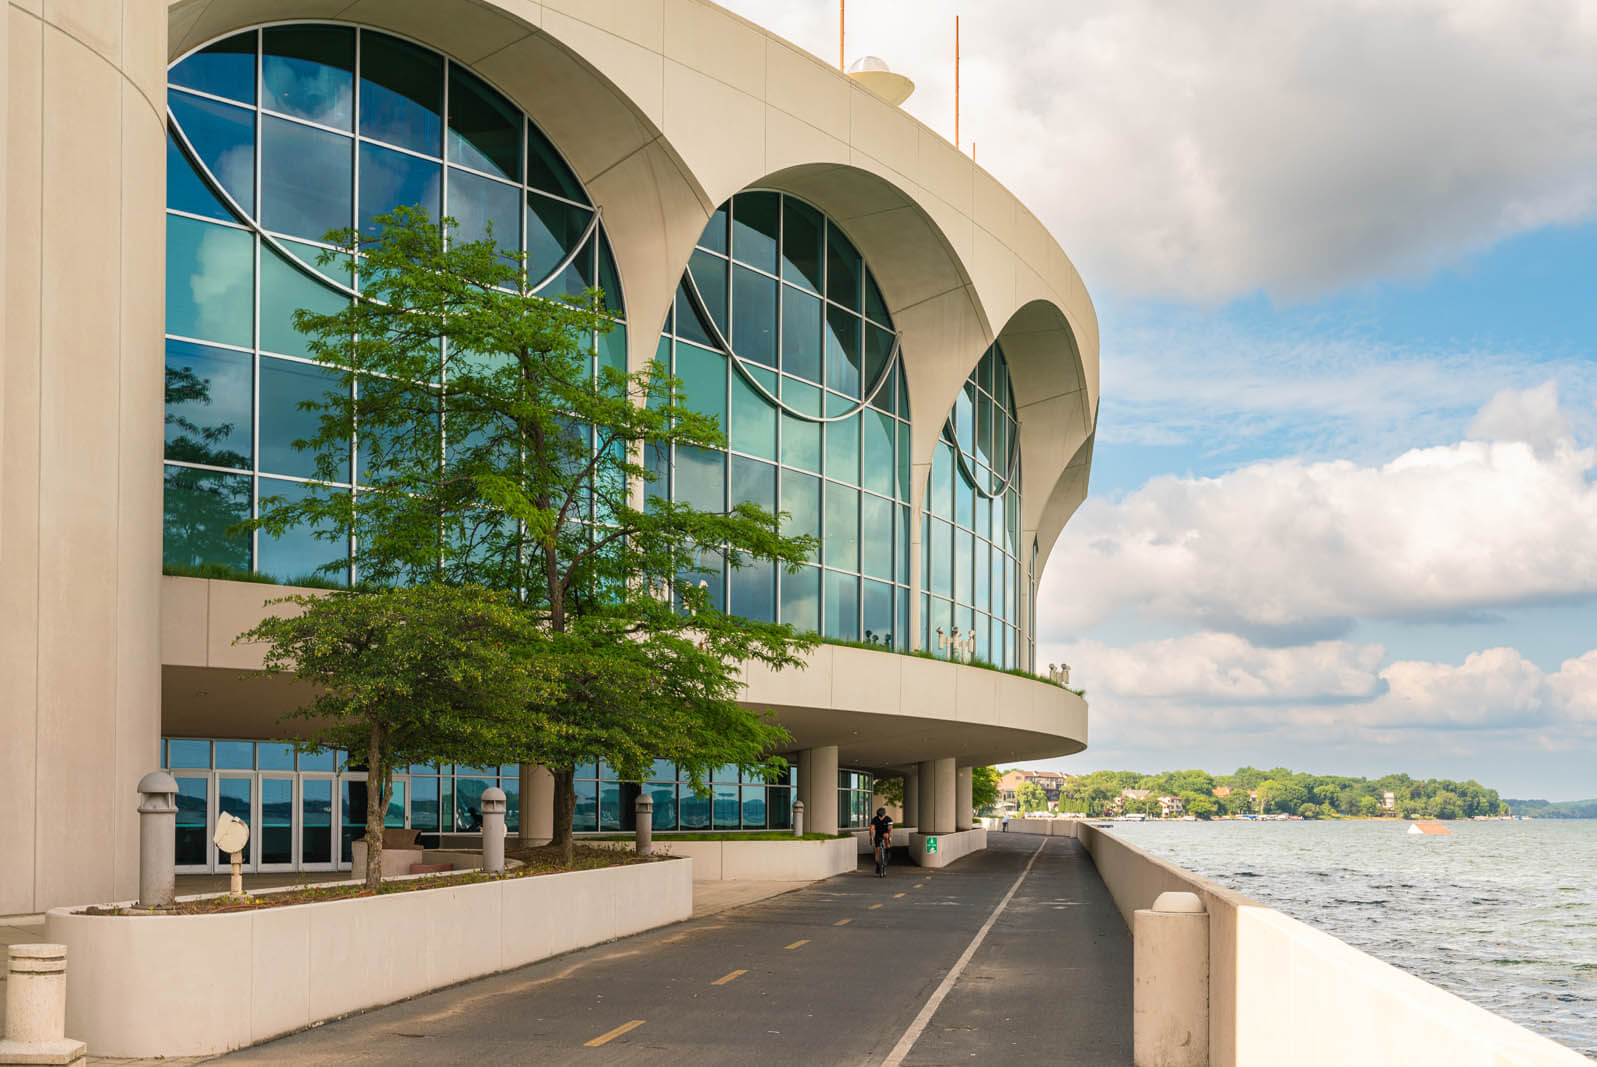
[931, 845]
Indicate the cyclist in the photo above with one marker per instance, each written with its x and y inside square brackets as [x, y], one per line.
[882, 839]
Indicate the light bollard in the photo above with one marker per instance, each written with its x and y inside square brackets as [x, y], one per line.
[1170, 983]
[493, 829]
[157, 840]
[798, 818]
[36, 1007]
[643, 830]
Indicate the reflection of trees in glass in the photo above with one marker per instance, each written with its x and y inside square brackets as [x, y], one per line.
[195, 443]
[200, 509]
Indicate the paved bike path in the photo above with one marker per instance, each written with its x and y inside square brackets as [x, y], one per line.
[836, 973]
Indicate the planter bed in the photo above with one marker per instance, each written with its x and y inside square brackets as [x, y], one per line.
[190, 985]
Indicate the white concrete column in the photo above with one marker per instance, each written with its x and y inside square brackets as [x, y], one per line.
[80, 450]
[817, 787]
[926, 800]
[943, 814]
[964, 810]
[537, 820]
[911, 798]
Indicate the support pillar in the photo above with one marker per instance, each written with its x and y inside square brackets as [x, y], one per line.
[926, 799]
[943, 813]
[911, 799]
[964, 810]
[817, 788]
[537, 805]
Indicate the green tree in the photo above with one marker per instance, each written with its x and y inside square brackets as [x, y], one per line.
[983, 787]
[1029, 796]
[417, 675]
[1309, 811]
[494, 452]
[891, 791]
[1369, 807]
[1202, 805]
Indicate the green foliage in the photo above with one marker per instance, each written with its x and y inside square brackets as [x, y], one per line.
[1201, 805]
[496, 453]
[983, 787]
[922, 653]
[223, 573]
[891, 790]
[1543, 809]
[1029, 796]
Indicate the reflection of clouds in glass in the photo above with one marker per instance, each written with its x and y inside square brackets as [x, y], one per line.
[235, 169]
[310, 91]
[223, 282]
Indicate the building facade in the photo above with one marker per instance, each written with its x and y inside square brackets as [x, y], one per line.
[900, 355]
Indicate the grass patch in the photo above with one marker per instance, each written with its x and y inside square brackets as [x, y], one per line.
[666, 836]
[922, 653]
[221, 572]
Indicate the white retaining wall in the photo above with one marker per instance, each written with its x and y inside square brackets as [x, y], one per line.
[950, 847]
[193, 985]
[1282, 992]
[764, 861]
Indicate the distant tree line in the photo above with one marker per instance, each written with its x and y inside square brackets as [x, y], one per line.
[1544, 809]
[1281, 791]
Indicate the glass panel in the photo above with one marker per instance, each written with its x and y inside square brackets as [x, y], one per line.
[352, 817]
[199, 508]
[553, 229]
[208, 405]
[233, 798]
[613, 349]
[585, 816]
[753, 420]
[284, 386]
[714, 235]
[277, 820]
[984, 429]
[298, 553]
[842, 606]
[468, 803]
[963, 553]
[182, 753]
[483, 208]
[801, 443]
[801, 600]
[942, 559]
[843, 269]
[578, 276]
[226, 68]
[754, 591]
[709, 274]
[726, 807]
[693, 810]
[903, 546]
[395, 815]
[878, 347]
[982, 598]
[941, 503]
[546, 170]
[401, 94]
[703, 376]
[801, 334]
[903, 460]
[305, 179]
[754, 316]
[875, 306]
[186, 190]
[389, 179]
[210, 282]
[316, 820]
[701, 478]
[801, 244]
[224, 138]
[964, 418]
[876, 536]
[753, 807]
[284, 290]
[841, 547]
[842, 450]
[878, 605]
[235, 755]
[274, 757]
[484, 129]
[610, 805]
[664, 796]
[801, 499]
[193, 815]
[877, 454]
[843, 351]
[318, 761]
[754, 218]
[309, 72]
[754, 482]
[609, 277]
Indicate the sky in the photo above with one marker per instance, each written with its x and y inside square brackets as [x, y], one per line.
[1343, 508]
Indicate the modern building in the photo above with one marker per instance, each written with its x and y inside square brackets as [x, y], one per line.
[901, 355]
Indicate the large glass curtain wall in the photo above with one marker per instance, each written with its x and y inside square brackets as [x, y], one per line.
[970, 563]
[780, 332]
[604, 802]
[276, 136]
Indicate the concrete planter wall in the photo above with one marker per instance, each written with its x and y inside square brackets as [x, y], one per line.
[198, 984]
[1281, 991]
[950, 847]
[762, 861]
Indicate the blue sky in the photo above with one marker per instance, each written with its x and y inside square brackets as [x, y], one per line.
[1344, 258]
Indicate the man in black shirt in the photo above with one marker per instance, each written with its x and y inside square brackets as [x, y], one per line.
[881, 840]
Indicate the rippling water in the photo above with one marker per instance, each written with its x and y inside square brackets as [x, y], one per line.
[1503, 914]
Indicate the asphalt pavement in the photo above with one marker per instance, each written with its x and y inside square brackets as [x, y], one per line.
[1015, 952]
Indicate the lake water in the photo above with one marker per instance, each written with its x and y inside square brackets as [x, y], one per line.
[1503, 914]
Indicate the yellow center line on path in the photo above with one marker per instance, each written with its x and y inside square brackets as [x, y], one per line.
[842, 922]
[617, 1032]
[725, 978]
[873, 907]
[800, 941]
[919, 885]
[897, 895]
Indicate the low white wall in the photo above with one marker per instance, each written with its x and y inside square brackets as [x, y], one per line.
[765, 861]
[862, 838]
[1046, 827]
[950, 847]
[199, 984]
[1281, 991]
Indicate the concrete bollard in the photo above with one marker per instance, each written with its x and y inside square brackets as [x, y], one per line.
[643, 829]
[36, 1007]
[157, 840]
[1170, 983]
[798, 818]
[493, 829]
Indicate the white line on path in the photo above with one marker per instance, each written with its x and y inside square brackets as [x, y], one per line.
[916, 1028]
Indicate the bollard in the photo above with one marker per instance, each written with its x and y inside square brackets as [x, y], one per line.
[36, 1007]
[1170, 983]
[157, 840]
[798, 818]
[493, 829]
[643, 810]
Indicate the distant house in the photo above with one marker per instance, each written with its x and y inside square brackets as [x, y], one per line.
[1221, 791]
[1050, 782]
[1171, 806]
[1388, 801]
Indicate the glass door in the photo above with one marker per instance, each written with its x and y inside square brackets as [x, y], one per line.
[316, 823]
[235, 795]
[193, 852]
[276, 836]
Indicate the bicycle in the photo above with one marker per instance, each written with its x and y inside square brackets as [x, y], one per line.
[882, 850]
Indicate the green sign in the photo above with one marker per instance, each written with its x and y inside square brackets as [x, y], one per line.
[931, 845]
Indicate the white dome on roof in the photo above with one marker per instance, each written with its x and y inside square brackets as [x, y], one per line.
[872, 72]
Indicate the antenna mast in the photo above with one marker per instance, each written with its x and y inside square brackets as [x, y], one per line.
[956, 81]
[840, 6]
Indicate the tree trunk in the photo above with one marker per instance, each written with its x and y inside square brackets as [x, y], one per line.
[565, 810]
[376, 807]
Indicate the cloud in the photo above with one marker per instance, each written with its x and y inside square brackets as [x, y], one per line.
[1286, 551]
[1214, 148]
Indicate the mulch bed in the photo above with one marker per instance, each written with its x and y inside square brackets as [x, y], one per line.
[545, 859]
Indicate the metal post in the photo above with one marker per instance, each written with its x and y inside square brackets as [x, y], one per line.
[798, 818]
[36, 1007]
[643, 829]
[493, 829]
[157, 840]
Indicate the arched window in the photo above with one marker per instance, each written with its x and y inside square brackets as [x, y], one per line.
[780, 331]
[276, 136]
[970, 533]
